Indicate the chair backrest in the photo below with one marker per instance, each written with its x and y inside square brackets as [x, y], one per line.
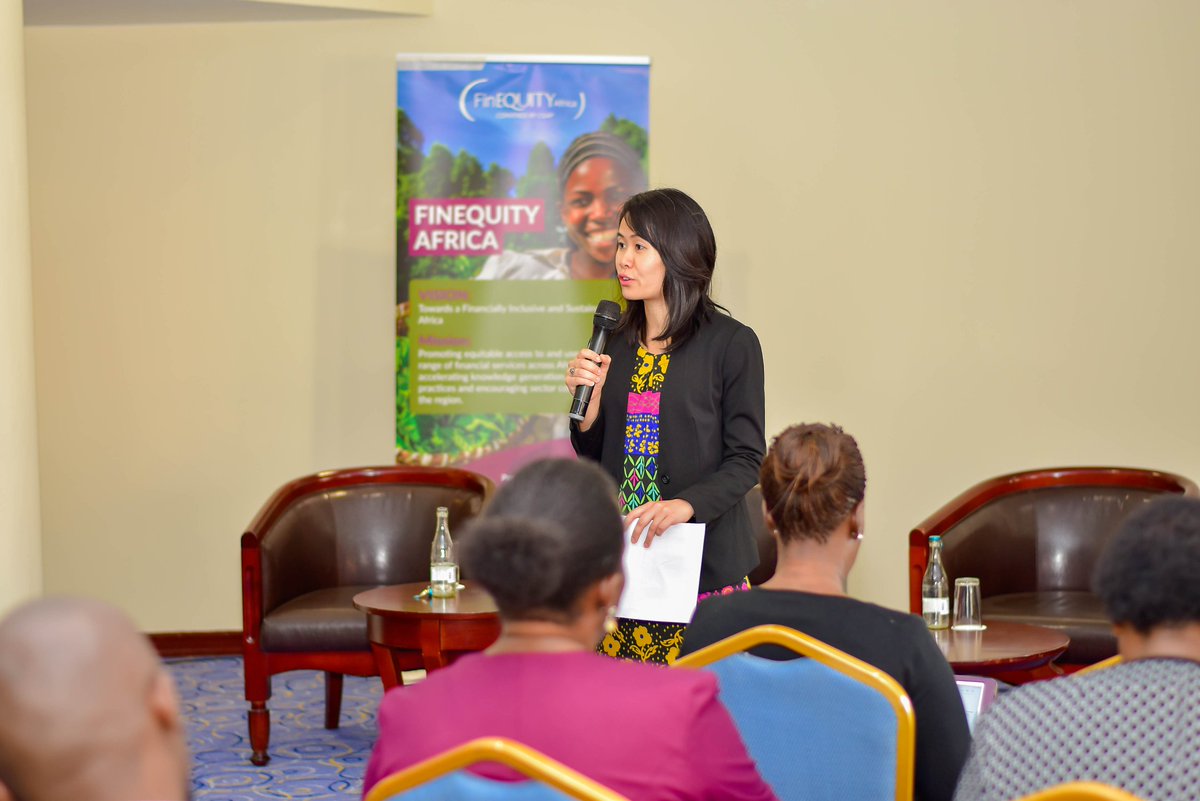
[442, 778]
[1037, 530]
[827, 727]
[1081, 791]
[762, 538]
[1101, 665]
[365, 526]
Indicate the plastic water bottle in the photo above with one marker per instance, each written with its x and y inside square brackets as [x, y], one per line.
[935, 589]
[443, 570]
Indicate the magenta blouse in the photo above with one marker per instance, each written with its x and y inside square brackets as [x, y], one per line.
[641, 730]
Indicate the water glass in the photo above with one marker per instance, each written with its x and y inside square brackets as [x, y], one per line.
[967, 614]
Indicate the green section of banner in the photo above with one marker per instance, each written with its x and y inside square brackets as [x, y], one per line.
[483, 347]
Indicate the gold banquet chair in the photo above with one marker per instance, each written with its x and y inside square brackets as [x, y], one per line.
[827, 727]
[1101, 665]
[443, 778]
[1081, 791]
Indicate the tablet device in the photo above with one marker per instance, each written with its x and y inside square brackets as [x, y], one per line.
[977, 694]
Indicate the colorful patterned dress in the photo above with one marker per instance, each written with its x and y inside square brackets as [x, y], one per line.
[645, 640]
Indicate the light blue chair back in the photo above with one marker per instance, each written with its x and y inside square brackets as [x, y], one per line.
[816, 734]
[463, 786]
[444, 777]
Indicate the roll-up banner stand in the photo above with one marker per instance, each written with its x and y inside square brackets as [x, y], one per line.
[510, 172]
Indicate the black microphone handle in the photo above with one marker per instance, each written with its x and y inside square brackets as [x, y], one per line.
[583, 392]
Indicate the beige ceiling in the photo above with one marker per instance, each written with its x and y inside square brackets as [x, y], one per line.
[154, 12]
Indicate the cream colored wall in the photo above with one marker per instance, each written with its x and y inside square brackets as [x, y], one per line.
[965, 231]
[20, 536]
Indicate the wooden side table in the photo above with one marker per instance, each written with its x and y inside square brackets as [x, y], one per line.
[1003, 649]
[407, 634]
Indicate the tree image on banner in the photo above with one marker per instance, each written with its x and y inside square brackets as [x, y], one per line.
[539, 181]
[631, 132]
[438, 439]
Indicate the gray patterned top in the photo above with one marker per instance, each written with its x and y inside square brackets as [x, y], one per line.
[1135, 726]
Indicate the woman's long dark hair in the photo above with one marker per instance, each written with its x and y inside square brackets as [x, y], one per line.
[679, 230]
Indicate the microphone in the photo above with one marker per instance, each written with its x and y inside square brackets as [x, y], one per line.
[608, 314]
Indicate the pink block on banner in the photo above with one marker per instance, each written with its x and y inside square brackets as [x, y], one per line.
[475, 226]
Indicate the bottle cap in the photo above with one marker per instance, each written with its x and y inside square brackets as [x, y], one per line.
[937, 537]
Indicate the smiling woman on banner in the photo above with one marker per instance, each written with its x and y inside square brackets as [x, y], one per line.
[676, 415]
[596, 174]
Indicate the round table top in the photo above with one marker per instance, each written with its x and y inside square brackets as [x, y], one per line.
[398, 601]
[1001, 644]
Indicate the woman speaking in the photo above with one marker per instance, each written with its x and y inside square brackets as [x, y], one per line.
[676, 413]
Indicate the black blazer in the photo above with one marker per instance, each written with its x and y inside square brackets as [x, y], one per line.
[711, 440]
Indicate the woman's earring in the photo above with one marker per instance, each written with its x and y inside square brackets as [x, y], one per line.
[610, 621]
[858, 535]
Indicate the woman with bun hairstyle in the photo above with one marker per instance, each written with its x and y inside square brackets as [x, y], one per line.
[813, 484]
[548, 550]
[677, 406]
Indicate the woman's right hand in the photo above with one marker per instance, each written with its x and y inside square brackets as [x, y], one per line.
[588, 368]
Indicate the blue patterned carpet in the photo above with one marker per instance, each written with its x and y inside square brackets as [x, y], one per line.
[307, 760]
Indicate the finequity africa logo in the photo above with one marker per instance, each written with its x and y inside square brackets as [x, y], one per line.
[475, 101]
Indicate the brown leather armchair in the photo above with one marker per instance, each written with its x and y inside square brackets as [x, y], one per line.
[1032, 539]
[315, 544]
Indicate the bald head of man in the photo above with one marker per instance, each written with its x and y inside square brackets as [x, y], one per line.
[86, 708]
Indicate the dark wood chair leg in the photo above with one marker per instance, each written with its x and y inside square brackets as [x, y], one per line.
[333, 699]
[258, 691]
[260, 732]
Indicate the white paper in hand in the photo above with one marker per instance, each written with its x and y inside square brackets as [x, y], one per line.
[661, 581]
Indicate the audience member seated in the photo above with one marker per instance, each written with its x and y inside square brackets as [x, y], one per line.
[813, 483]
[87, 710]
[548, 549]
[1135, 725]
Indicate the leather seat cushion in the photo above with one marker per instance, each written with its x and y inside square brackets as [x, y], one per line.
[1080, 615]
[322, 620]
